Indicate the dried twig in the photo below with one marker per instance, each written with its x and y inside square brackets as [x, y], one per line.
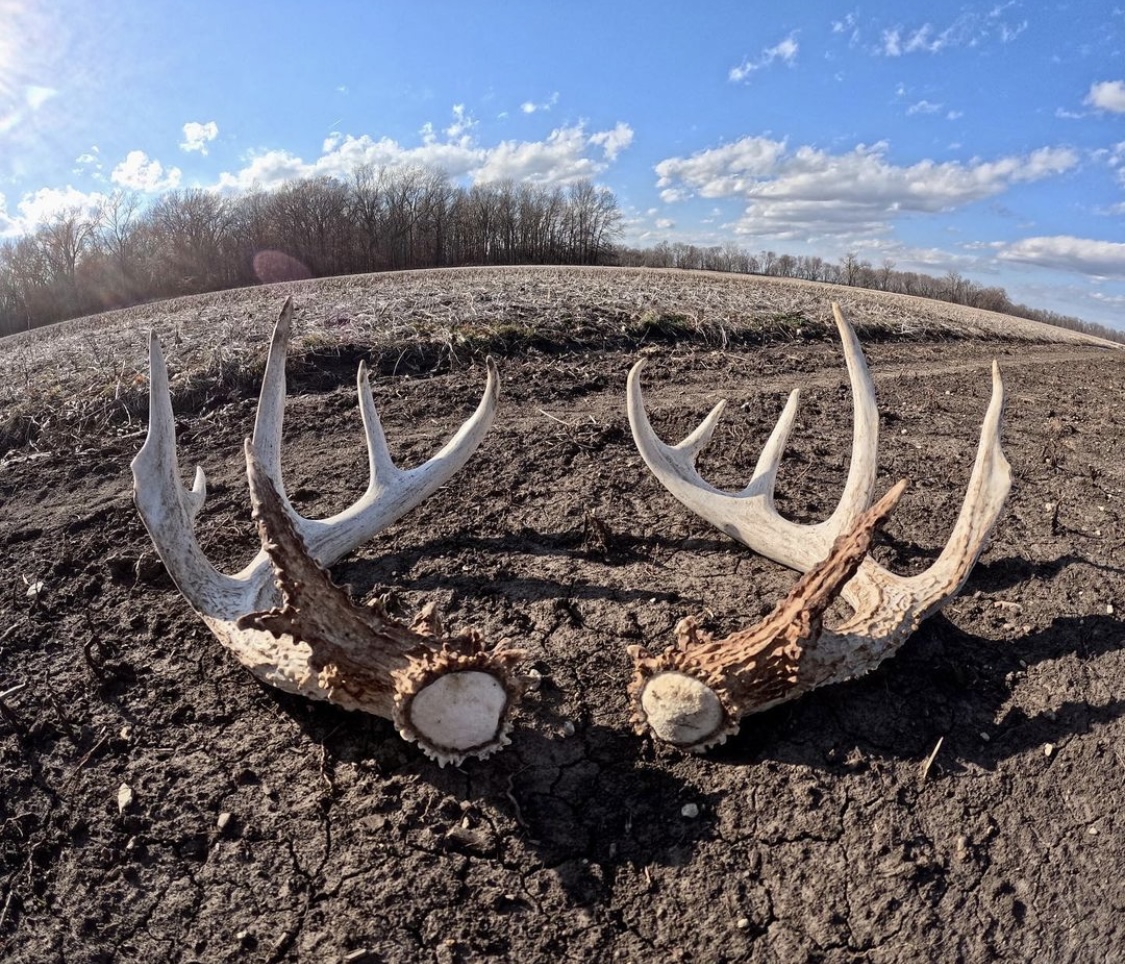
[929, 762]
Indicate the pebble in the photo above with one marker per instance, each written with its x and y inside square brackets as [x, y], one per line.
[742, 923]
[223, 822]
[689, 810]
[124, 797]
[1048, 750]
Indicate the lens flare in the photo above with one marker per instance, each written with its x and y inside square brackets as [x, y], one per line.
[23, 91]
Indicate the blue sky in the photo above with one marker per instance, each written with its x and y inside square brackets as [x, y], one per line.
[983, 138]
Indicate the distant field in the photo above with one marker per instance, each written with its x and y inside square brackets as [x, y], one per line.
[964, 801]
[91, 370]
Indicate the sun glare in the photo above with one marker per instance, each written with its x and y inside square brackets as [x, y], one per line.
[14, 15]
[27, 42]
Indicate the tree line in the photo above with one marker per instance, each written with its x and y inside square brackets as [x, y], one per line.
[856, 272]
[124, 252]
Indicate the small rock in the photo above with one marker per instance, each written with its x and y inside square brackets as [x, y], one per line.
[742, 923]
[984, 736]
[689, 810]
[1109, 609]
[567, 729]
[1092, 831]
[1048, 750]
[124, 797]
[223, 822]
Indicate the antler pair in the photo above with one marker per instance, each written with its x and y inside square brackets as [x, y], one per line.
[284, 619]
[301, 633]
[694, 693]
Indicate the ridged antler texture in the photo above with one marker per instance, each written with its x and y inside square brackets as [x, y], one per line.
[301, 633]
[887, 607]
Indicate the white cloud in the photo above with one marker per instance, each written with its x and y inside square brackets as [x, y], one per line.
[615, 141]
[568, 154]
[1103, 259]
[1107, 95]
[268, 169]
[923, 107]
[1114, 158]
[892, 43]
[1009, 32]
[848, 26]
[559, 159]
[530, 107]
[39, 207]
[461, 125]
[141, 173]
[37, 96]
[785, 51]
[970, 29]
[8, 224]
[807, 192]
[197, 136]
[665, 224]
[89, 163]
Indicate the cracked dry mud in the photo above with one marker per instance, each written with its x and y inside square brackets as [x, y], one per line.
[265, 828]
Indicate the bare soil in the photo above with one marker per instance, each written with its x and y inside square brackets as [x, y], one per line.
[261, 827]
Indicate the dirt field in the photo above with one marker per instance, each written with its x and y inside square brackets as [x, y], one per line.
[262, 827]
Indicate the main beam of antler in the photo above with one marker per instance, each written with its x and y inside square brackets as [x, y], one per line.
[224, 601]
[694, 693]
[888, 607]
[445, 692]
[168, 509]
[750, 516]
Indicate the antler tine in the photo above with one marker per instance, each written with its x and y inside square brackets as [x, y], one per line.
[694, 693]
[271, 403]
[889, 607]
[391, 491]
[987, 492]
[169, 510]
[985, 495]
[302, 634]
[750, 516]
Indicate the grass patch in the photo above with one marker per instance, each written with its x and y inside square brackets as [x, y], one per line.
[62, 384]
